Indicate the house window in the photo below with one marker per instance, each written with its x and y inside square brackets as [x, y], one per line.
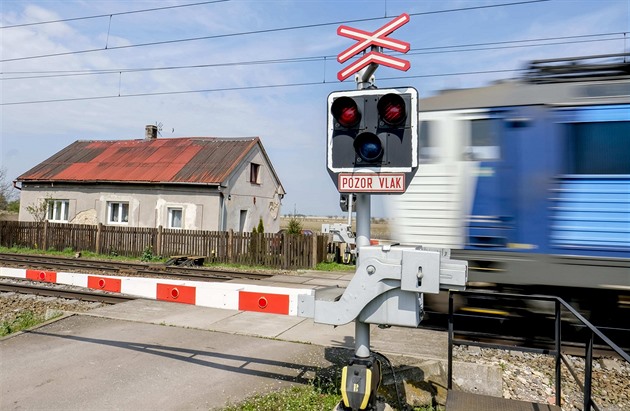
[174, 217]
[254, 173]
[242, 221]
[57, 211]
[117, 212]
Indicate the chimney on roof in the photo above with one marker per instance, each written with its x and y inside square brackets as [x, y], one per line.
[150, 132]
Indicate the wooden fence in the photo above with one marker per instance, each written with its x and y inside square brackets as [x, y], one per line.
[270, 250]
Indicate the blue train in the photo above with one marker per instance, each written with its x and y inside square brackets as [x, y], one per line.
[529, 180]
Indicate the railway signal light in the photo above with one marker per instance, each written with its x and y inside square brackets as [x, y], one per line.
[372, 131]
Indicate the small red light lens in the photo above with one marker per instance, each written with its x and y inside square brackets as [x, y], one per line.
[391, 108]
[345, 111]
[348, 116]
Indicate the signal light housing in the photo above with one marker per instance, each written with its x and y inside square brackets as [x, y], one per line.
[373, 130]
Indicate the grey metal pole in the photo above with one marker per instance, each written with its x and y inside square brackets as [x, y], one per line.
[350, 206]
[362, 330]
[364, 216]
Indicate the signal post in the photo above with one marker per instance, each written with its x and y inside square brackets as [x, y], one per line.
[372, 148]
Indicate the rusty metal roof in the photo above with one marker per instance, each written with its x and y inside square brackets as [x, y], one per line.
[192, 160]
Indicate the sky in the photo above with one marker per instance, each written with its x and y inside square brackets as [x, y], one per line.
[103, 69]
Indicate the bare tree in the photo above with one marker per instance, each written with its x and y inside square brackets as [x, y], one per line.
[39, 208]
[6, 190]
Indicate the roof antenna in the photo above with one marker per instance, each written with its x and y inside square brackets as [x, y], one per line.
[159, 128]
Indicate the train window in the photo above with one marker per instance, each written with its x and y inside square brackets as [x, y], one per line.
[484, 140]
[428, 152]
[599, 147]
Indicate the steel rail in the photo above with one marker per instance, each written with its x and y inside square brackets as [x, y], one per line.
[64, 293]
[125, 268]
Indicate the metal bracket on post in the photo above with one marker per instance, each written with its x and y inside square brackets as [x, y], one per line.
[387, 289]
[388, 277]
[365, 78]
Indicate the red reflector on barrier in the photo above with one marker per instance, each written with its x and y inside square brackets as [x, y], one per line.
[39, 275]
[104, 283]
[177, 293]
[263, 302]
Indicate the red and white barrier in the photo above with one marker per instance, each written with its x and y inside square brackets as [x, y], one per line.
[231, 296]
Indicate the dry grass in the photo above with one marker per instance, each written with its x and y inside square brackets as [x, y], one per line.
[379, 227]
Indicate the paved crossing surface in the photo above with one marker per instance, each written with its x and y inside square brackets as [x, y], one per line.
[143, 355]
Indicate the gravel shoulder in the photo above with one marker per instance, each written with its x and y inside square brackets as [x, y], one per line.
[531, 377]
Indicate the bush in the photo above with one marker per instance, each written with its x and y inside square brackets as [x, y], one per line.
[147, 255]
[294, 226]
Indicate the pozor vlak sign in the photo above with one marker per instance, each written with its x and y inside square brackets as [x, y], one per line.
[372, 139]
[371, 183]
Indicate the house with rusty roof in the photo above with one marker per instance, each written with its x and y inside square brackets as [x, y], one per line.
[197, 183]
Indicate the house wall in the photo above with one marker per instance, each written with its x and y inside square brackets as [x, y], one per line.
[256, 200]
[148, 205]
[203, 207]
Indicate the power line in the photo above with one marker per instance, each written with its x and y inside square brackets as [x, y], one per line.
[71, 73]
[264, 31]
[241, 88]
[111, 14]
[420, 51]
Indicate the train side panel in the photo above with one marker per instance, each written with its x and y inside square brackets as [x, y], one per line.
[532, 194]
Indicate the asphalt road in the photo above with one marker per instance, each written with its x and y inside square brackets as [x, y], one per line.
[91, 363]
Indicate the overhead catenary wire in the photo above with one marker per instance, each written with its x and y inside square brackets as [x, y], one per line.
[419, 51]
[262, 31]
[241, 88]
[425, 50]
[257, 87]
[97, 16]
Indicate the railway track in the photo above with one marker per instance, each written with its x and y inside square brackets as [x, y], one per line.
[59, 292]
[124, 268]
[531, 331]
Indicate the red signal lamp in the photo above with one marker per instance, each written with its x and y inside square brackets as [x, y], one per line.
[346, 112]
[391, 109]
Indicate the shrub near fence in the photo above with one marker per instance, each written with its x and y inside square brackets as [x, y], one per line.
[270, 250]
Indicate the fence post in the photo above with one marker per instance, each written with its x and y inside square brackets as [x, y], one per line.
[558, 348]
[158, 245]
[313, 250]
[45, 239]
[451, 327]
[98, 238]
[588, 371]
[230, 245]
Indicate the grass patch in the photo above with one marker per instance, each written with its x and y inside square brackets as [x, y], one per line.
[69, 253]
[24, 320]
[326, 266]
[148, 256]
[297, 398]
[239, 267]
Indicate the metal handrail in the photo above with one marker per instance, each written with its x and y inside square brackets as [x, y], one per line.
[557, 352]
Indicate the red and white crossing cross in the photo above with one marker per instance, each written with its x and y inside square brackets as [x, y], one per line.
[377, 38]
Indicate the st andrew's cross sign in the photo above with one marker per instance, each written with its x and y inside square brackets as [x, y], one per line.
[377, 38]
